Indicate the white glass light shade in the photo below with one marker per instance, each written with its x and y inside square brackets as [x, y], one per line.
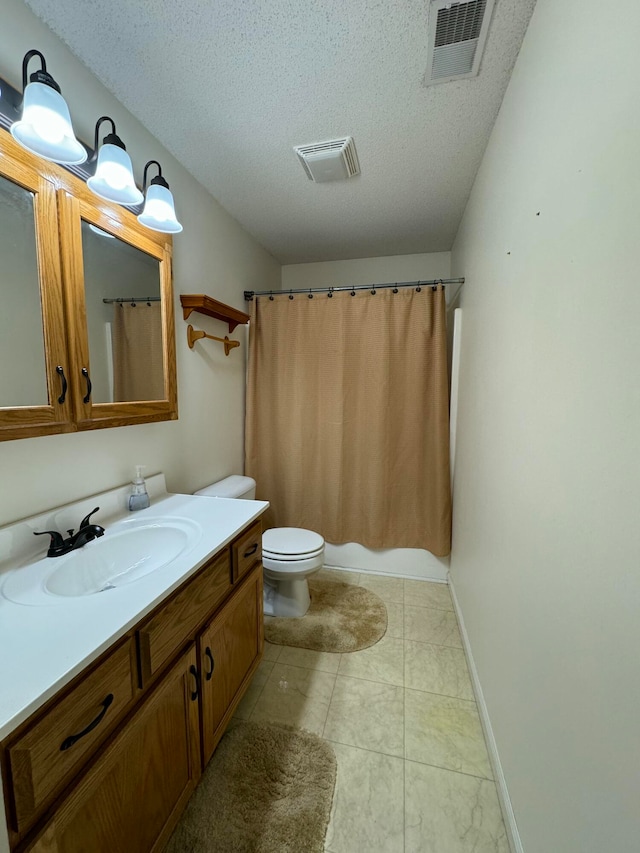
[159, 212]
[45, 126]
[113, 179]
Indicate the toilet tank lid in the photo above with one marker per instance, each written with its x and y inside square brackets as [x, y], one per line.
[231, 487]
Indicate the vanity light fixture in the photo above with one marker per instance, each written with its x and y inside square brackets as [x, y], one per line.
[159, 212]
[113, 178]
[45, 127]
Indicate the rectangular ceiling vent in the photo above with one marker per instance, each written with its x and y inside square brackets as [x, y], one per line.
[457, 34]
[329, 161]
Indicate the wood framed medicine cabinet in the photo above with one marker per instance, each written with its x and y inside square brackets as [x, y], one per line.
[66, 259]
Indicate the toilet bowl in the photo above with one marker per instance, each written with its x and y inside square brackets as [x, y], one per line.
[289, 554]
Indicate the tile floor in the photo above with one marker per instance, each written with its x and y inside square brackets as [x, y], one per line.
[413, 772]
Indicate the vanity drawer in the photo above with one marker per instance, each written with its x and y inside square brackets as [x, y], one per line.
[44, 756]
[246, 550]
[173, 624]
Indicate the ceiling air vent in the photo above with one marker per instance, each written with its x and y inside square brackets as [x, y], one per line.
[457, 33]
[329, 161]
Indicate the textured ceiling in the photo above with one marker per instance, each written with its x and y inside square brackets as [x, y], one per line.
[229, 86]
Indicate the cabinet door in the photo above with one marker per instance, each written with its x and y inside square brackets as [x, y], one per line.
[35, 369]
[117, 280]
[132, 797]
[229, 650]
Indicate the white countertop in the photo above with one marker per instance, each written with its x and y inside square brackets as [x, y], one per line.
[43, 647]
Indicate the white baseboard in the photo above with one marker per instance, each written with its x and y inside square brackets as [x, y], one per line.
[399, 562]
[501, 784]
[382, 574]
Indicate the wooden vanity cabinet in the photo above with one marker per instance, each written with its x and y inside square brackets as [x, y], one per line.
[178, 620]
[131, 798]
[45, 755]
[228, 650]
[176, 679]
[246, 550]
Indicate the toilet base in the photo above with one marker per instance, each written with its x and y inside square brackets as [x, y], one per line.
[286, 597]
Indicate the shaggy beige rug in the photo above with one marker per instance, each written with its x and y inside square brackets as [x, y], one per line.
[267, 789]
[342, 617]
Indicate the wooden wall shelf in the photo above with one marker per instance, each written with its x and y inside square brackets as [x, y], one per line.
[212, 308]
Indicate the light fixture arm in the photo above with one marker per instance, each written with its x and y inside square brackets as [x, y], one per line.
[96, 136]
[41, 76]
[158, 178]
[111, 138]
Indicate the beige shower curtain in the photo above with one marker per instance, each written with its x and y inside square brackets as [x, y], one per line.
[137, 352]
[347, 429]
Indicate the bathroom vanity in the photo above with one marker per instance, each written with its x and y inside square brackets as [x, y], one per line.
[113, 701]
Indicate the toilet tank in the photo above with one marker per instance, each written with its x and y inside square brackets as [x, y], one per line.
[234, 486]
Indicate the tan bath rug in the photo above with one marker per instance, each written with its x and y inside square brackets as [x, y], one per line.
[267, 789]
[342, 618]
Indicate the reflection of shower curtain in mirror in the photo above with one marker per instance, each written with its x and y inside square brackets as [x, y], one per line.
[137, 352]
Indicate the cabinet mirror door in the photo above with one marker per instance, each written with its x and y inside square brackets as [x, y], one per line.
[34, 369]
[118, 280]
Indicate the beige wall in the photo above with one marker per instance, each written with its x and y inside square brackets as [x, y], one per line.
[367, 270]
[547, 497]
[213, 255]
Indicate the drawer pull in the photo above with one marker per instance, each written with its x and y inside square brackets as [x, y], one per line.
[196, 676]
[251, 551]
[207, 654]
[67, 743]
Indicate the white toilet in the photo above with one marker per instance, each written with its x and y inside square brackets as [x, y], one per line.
[289, 554]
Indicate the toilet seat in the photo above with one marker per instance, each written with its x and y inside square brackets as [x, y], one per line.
[288, 558]
[291, 544]
[291, 569]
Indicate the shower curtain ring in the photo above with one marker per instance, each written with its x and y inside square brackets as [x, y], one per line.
[271, 296]
[395, 289]
[310, 294]
[290, 295]
[353, 293]
[330, 294]
[418, 288]
[373, 292]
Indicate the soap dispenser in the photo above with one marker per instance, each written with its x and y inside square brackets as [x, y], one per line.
[139, 497]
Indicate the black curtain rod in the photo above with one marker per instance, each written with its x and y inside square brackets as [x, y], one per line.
[122, 299]
[249, 294]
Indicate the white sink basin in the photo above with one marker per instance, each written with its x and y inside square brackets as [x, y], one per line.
[127, 552]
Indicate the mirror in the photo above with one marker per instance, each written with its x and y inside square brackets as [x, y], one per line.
[23, 379]
[124, 319]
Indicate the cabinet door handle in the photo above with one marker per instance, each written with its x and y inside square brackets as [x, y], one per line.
[209, 673]
[251, 550]
[196, 677]
[63, 395]
[87, 397]
[69, 742]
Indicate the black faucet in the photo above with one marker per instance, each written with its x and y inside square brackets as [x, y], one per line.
[85, 533]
